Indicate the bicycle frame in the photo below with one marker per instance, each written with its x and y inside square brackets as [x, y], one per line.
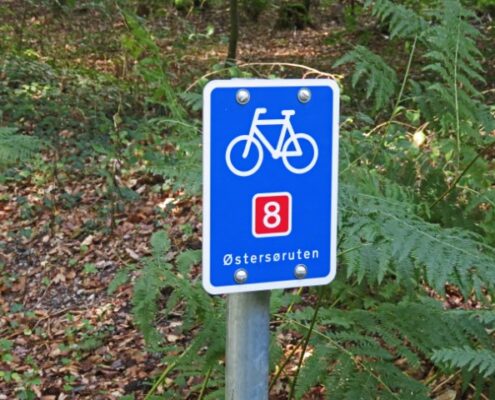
[276, 152]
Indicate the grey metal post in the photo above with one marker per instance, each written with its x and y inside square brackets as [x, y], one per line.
[248, 341]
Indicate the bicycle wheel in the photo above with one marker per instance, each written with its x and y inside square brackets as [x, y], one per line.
[308, 161]
[245, 166]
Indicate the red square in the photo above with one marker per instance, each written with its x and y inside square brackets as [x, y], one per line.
[272, 214]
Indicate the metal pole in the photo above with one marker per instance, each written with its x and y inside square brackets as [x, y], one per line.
[248, 340]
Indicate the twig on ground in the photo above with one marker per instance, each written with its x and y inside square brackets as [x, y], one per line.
[309, 71]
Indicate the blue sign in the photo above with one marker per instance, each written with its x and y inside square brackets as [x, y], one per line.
[270, 184]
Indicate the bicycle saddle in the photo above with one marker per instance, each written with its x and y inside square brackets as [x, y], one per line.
[288, 113]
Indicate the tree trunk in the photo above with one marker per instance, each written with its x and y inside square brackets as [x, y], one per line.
[234, 32]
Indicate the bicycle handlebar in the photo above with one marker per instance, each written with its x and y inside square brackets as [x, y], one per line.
[263, 110]
[288, 113]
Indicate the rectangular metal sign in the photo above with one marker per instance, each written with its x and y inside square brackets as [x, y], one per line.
[270, 183]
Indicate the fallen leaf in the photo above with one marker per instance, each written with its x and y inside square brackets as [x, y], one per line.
[132, 254]
[447, 395]
[88, 241]
[59, 278]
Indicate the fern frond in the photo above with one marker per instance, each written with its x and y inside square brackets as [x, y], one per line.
[402, 22]
[366, 354]
[193, 100]
[483, 361]
[486, 317]
[147, 290]
[315, 370]
[200, 313]
[182, 165]
[454, 60]
[389, 238]
[14, 147]
[381, 79]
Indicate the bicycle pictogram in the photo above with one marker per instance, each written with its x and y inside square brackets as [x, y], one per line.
[289, 146]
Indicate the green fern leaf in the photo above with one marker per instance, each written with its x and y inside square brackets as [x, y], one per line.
[483, 361]
[402, 22]
[373, 222]
[381, 79]
[14, 147]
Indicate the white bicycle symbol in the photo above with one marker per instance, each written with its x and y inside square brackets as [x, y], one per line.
[256, 138]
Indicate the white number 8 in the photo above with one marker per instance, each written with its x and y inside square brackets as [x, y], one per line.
[272, 212]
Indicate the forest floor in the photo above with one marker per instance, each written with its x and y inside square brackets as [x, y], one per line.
[57, 317]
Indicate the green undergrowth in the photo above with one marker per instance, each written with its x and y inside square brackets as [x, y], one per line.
[414, 179]
[376, 326]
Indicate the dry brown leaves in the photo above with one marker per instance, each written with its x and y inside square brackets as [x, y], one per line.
[57, 315]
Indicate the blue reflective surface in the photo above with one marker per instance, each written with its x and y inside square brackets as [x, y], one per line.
[232, 244]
